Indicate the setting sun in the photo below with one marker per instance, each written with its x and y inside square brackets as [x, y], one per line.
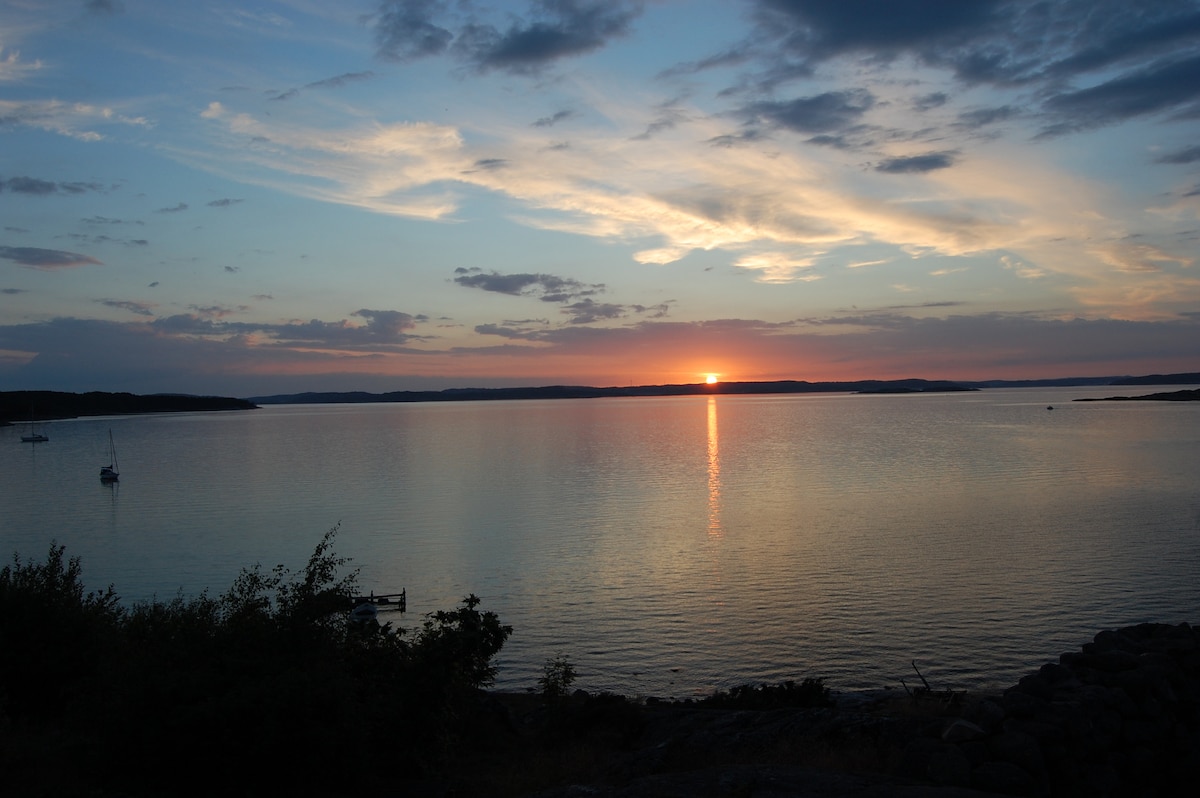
[711, 379]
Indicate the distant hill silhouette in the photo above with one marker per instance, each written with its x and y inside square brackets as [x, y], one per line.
[1170, 396]
[693, 389]
[16, 406]
[587, 392]
[1161, 379]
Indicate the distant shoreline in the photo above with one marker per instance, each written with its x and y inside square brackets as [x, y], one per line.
[1168, 396]
[22, 406]
[590, 392]
[720, 388]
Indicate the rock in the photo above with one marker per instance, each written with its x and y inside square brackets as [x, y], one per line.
[949, 766]
[1114, 660]
[1057, 675]
[1036, 685]
[1003, 777]
[988, 714]
[961, 731]
[1019, 749]
[1021, 704]
[916, 756]
[1121, 716]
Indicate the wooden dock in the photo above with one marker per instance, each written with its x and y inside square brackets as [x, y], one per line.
[385, 601]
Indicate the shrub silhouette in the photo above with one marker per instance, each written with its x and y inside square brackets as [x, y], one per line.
[269, 686]
[52, 635]
[558, 675]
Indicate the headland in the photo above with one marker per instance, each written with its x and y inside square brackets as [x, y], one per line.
[21, 406]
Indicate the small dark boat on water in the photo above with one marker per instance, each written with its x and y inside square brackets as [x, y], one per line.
[110, 472]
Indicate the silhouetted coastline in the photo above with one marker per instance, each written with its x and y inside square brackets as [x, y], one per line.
[589, 392]
[16, 406]
[1161, 379]
[1167, 396]
[720, 388]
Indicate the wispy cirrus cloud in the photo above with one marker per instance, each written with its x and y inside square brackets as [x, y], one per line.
[336, 82]
[1182, 156]
[757, 199]
[13, 69]
[589, 311]
[1133, 256]
[546, 287]
[41, 188]
[1162, 87]
[95, 240]
[819, 113]
[778, 267]
[773, 171]
[81, 121]
[382, 330]
[407, 30]
[554, 119]
[38, 258]
[917, 164]
[1139, 59]
[136, 308]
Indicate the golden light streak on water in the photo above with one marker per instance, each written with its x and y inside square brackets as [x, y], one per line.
[714, 472]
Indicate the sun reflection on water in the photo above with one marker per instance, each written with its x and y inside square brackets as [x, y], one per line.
[714, 472]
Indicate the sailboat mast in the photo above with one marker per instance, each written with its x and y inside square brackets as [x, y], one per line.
[110, 472]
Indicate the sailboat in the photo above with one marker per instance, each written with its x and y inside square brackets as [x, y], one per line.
[34, 436]
[109, 473]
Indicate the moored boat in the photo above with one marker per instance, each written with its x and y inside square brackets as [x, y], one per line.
[110, 472]
[34, 435]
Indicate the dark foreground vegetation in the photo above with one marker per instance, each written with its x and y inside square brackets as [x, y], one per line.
[267, 689]
[271, 689]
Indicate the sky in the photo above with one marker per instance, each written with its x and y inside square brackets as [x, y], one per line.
[250, 198]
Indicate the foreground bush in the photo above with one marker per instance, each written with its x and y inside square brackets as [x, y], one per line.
[53, 636]
[265, 689]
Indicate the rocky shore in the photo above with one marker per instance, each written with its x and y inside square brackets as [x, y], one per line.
[1120, 717]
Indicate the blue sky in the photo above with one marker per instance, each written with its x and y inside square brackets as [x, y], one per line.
[262, 197]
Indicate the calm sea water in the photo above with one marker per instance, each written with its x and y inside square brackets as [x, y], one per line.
[668, 546]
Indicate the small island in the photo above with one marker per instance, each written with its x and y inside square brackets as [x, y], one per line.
[23, 406]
